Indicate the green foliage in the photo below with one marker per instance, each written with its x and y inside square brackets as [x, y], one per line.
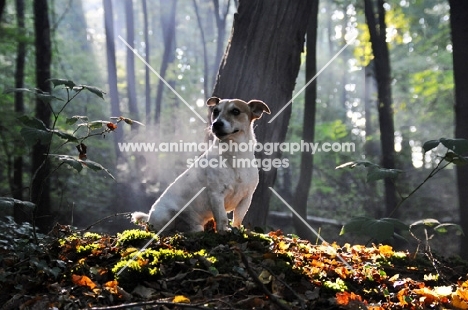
[379, 229]
[385, 228]
[135, 237]
[147, 264]
[374, 172]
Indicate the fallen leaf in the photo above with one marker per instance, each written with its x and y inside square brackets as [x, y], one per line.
[83, 281]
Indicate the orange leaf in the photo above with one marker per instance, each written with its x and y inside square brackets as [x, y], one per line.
[401, 295]
[342, 298]
[83, 281]
[458, 303]
[111, 286]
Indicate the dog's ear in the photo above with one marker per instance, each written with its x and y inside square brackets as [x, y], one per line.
[212, 101]
[258, 107]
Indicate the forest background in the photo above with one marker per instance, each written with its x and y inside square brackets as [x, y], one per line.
[184, 42]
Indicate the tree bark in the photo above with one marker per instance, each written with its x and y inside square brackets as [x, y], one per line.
[377, 30]
[168, 22]
[262, 61]
[131, 87]
[40, 188]
[458, 17]
[17, 190]
[112, 70]
[308, 129]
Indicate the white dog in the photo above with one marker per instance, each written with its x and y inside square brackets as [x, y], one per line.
[228, 174]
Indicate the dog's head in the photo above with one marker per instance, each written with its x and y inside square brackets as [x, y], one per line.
[231, 117]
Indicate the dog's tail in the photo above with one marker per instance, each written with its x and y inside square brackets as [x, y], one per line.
[140, 218]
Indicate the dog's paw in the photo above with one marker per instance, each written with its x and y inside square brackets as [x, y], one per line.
[224, 231]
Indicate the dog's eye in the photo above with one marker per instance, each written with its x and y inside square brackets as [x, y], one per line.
[235, 111]
[215, 112]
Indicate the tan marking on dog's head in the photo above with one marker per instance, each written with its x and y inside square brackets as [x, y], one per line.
[232, 116]
[254, 108]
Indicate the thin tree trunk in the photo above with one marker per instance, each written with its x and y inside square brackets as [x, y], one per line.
[377, 30]
[262, 61]
[220, 18]
[308, 128]
[131, 84]
[168, 27]
[2, 8]
[147, 59]
[17, 190]
[458, 18]
[206, 65]
[112, 69]
[40, 189]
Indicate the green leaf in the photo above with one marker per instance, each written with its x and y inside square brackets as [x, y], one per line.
[73, 162]
[377, 173]
[66, 136]
[32, 122]
[94, 90]
[459, 146]
[57, 82]
[425, 222]
[47, 98]
[443, 228]
[353, 164]
[379, 229]
[96, 167]
[456, 159]
[72, 120]
[32, 136]
[78, 164]
[44, 96]
[94, 124]
[429, 145]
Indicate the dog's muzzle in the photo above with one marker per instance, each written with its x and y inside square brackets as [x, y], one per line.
[219, 129]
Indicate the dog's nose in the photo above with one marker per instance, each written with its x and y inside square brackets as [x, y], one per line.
[218, 125]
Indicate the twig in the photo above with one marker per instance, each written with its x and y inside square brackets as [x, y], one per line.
[160, 303]
[107, 217]
[431, 174]
[301, 300]
[257, 281]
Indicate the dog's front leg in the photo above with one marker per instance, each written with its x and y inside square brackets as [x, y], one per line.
[241, 210]
[219, 212]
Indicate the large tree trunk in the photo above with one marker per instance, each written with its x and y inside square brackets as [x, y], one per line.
[458, 18]
[377, 30]
[131, 85]
[308, 129]
[40, 189]
[17, 190]
[168, 22]
[262, 61]
[112, 70]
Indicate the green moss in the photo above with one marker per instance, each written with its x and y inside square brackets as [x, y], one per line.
[337, 286]
[145, 265]
[87, 248]
[135, 237]
[91, 235]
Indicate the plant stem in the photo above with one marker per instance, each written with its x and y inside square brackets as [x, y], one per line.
[431, 174]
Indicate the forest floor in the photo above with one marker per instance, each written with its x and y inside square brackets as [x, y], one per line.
[239, 270]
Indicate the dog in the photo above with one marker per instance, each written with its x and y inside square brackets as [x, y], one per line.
[229, 186]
